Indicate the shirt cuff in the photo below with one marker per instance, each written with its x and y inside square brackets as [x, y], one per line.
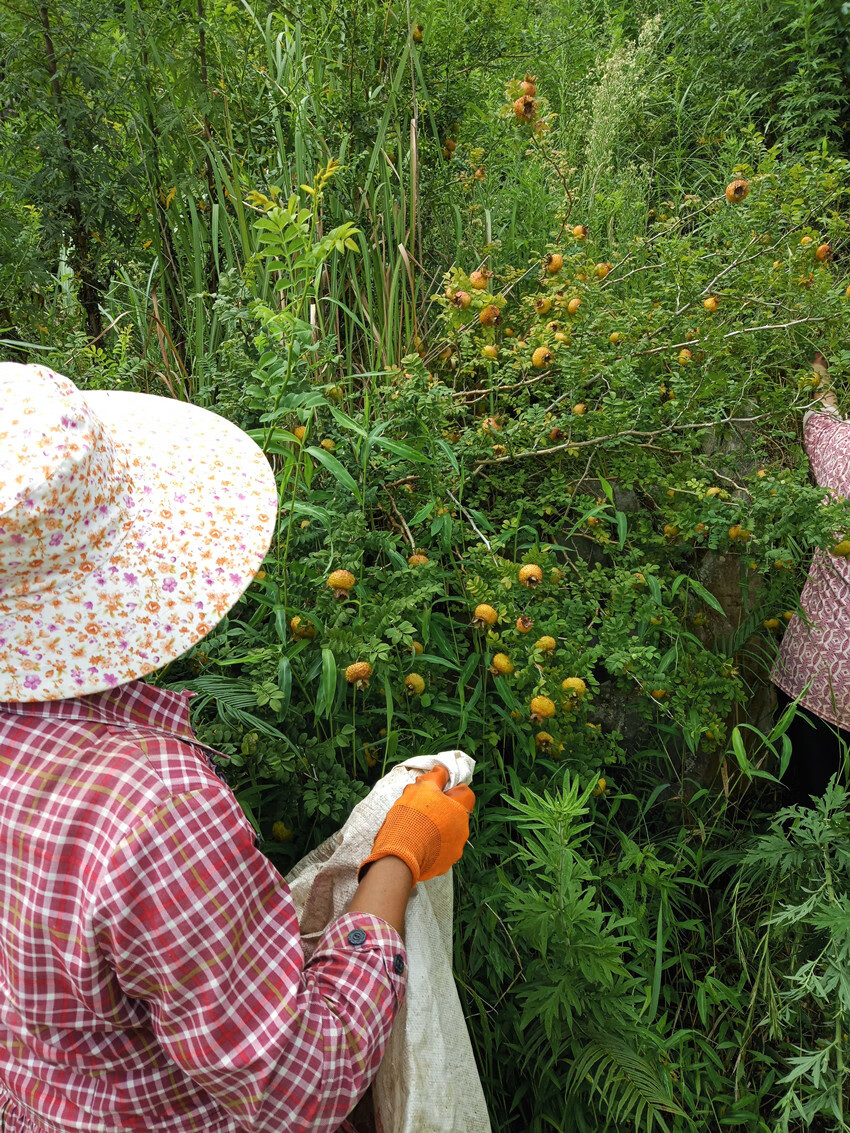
[361, 934]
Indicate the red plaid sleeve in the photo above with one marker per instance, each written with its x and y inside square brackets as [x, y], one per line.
[201, 927]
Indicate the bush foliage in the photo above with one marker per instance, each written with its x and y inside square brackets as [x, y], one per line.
[473, 345]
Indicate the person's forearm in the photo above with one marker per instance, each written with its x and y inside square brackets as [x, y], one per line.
[384, 892]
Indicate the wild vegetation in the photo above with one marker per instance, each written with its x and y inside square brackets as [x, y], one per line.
[521, 303]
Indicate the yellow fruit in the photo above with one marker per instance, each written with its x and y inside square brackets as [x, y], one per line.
[771, 623]
[762, 472]
[341, 581]
[842, 549]
[638, 579]
[371, 754]
[502, 665]
[737, 533]
[847, 291]
[600, 788]
[601, 270]
[685, 357]
[542, 708]
[712, 492]
[327, 444]
[260, 576]
[553, 262]
[484, 616]
[417, 560]
[659, 693]
[461, 300]
[491, 425]
[615, 337]
[543, 305]
[580, 409]
[529, 85]
[573, 305]
[546, 644]
[574, 687]
[700, 619]
[805, 241]
[710, 303]
[447, 153]
[543, 740]
[823, 253]
[414, 684]
[788, 615]
[358, 674]
[530, 574]
[478, 279]
[451, 144]
[524, 623]
[491, 316]
[541, 357]
[417, 648]
[281, 832]
[670, 530]
[736, 191]
[304, 630]
[561, 337]
[480, 173]
[300, 433]
[418, 33]
[580, 232]
[525, 107]
[490, 351]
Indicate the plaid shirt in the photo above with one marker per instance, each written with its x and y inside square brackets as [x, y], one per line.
[151, 970]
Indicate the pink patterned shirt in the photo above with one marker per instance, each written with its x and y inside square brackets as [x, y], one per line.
[151, 969]
[816, 647]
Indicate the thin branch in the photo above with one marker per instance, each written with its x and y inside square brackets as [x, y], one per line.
[469, 520]
[403, 523]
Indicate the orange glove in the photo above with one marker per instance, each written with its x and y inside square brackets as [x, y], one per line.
[427, 827]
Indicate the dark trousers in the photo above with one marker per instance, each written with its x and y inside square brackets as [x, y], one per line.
[818, 753]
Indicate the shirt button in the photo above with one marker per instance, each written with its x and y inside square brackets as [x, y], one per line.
[398, 965]
[357, 936]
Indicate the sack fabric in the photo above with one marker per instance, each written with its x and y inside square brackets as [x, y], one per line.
[428, 1081]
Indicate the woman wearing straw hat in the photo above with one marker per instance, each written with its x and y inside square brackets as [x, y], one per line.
[151, 971]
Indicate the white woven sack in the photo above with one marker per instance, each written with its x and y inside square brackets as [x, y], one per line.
[428, 1081]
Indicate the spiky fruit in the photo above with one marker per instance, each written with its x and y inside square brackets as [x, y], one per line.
[447, 153]
[300, 433]
[371, 754]
[556, 434]
[525, 107]
[341, 581]
[529, 85]
[553, 262]
[573, 305]
[461, 300]
[414, 684]
[543, 304]
[541, 357]
[281, 832]
[546, 644]
[484, 615]
[685, 357]
[580, 409]
[502, 665]
[574, 687]
[478, 279]
[490, 351]
[417, 560]
[542, 708]
[823, 253]
[358, 674]
[418, 33]
[302, 629]
[736, 191]
[530, 575]
[601, 270]
[788, 615]
[499, 450]
[580, 232]
[842, 549]
[658, 693]
[524, 624]
[491, 316]
[327, 444]
[710, 303]
[600, 788]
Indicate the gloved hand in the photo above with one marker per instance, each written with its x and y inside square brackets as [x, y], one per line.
[427, 827]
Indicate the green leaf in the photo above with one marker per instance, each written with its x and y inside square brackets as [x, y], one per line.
[337, 470]
[327, 684]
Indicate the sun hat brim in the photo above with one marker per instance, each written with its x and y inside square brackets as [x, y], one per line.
[205, 508]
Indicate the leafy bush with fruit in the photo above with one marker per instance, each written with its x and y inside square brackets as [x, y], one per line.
[525, 321]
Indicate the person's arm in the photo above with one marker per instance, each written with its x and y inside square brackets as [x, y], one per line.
[384, 892]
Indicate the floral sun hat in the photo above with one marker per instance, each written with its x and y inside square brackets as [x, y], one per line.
[129, 526]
